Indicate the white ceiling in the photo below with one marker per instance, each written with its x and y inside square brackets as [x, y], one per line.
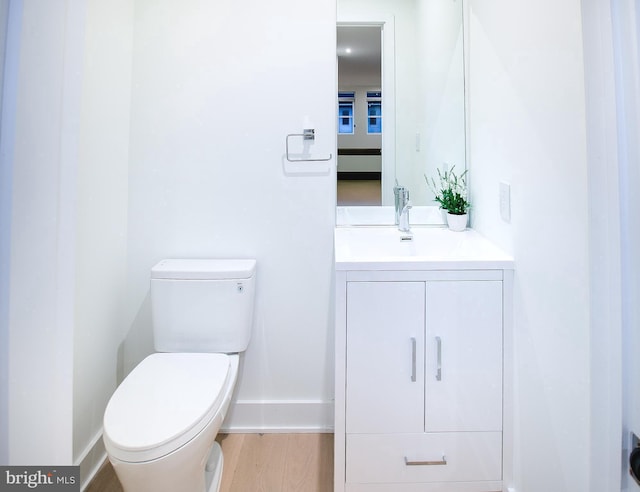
[362, 66]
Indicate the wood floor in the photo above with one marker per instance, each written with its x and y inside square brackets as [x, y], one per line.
[359, 192]
[261, 463]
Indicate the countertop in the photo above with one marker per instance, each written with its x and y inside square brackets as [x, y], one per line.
[429, 248]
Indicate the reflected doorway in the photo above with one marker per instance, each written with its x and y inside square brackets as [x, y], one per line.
[360, 116]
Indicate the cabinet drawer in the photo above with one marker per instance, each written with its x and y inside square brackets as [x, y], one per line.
[446, 456]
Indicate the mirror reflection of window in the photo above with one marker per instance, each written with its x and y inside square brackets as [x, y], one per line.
[345, 112]
[374, 112]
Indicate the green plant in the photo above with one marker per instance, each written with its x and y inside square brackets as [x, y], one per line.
[451, 191]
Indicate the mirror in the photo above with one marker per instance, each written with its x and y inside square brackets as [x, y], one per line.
[360, 158]
[420, 80]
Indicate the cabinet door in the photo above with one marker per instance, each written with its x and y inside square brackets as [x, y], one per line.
[385, 357]
[464, 356]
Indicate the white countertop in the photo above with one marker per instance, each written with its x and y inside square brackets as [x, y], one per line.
[431, 248]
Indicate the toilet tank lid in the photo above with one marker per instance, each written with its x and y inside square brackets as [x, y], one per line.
[204, 269]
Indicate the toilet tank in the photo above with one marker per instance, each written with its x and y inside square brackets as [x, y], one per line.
[202, 305]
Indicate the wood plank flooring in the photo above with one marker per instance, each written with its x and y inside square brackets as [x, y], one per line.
[358, 192]
[261, 463]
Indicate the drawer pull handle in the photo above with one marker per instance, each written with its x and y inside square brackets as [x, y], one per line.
[409, 462]
[439, 359]
[413, 360]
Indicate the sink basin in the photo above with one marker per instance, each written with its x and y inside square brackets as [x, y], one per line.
[385, 216]
[427, 248]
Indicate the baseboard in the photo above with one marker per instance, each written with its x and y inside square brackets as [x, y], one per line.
[279, 416]
[91, 460]
[359, 175]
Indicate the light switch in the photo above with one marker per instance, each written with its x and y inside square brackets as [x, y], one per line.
[505, 201]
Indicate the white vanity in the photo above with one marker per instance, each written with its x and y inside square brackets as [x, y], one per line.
[421, 330]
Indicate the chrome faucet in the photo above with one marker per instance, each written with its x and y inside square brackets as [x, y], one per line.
[403, 205]
[401, 196]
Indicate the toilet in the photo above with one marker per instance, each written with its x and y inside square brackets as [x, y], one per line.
[161, 422]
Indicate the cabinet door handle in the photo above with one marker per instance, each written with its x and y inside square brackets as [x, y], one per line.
[413, 359]
[441, 462]
[438, 359]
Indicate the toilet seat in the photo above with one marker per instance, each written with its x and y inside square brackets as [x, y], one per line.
[164, 403]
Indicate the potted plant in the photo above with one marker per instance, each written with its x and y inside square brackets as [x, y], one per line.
[451, 194]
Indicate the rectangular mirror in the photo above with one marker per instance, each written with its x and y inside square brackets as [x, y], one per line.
[400, 107]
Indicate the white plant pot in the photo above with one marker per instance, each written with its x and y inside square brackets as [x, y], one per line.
[444, 213]
[457, 222]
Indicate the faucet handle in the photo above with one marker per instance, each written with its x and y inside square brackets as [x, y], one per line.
[405, 195]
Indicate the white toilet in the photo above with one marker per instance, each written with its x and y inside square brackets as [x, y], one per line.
[160, 424]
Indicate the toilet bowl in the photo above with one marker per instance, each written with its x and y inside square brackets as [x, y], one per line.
[161, 422]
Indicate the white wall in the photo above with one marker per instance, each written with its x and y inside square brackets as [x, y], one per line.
[528, 127]
[4, 21]
[7, 126]
[604, 247]
[626, 26]
[41, 248]
[359, 163]
[440, 119]
[216, 88]
[65, 162]
[101, 221]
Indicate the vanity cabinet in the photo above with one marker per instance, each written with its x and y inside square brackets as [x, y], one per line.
[385, 339]
[419, 381]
